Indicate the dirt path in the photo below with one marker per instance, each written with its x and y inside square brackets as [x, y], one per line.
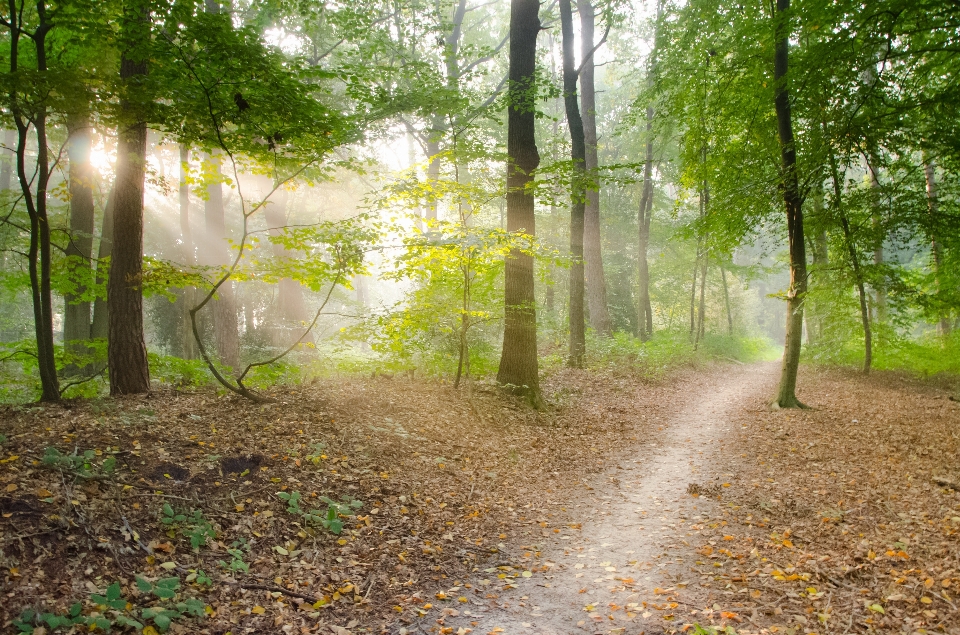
[631, 549]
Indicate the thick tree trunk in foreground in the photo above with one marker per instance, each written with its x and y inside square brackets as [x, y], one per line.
[226, 328]
[126, 349]
[518, 360]
[578, 344]
[933, 206]
[76, 312]
[592, 251]
[787, 393]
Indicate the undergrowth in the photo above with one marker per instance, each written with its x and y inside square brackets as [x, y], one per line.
[927, 357]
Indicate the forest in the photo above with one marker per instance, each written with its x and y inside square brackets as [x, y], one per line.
[400, 316]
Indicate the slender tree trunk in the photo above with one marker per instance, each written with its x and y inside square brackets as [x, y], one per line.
[701, 317]
[518, 361]
[726, 299]
[8, 157]
[39, 251]
[645, 315]
[126, 349]
[596, 284]
[225, 325]
[693, 293]
[101, 310]
[188, 344]
[933, 207]
[76, 318]
[577, 190]
[880, 291]
[848, 239]
[291, 306]
[787, 393]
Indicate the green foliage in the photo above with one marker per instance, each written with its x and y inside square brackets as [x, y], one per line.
[115, 610]
[236, 552]
[668, 351]
[82, 465]
[194, 527]
[330, 519]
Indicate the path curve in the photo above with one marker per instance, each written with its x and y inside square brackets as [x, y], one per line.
[634, 528]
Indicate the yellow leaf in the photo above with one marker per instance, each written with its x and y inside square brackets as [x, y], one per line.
[149, 630]
[12, 487]
[788, 544]
[928, 582]
[527, 574]
[258, 610]
[926, 600]
[876, 608]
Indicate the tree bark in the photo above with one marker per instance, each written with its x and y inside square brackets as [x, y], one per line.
[76, 318]
[518, 360]
[933, 207]
[7, 158]
[645, 313]
[225, 325]
[188, 344]
[101, 310]
[291, 307]
[126, 349]
[39, 251]
[578, 344]
[848, 239]
[787, 393]
[726, 299]
[596, 284]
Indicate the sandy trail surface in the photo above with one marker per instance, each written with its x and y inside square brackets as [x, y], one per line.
[633, 544]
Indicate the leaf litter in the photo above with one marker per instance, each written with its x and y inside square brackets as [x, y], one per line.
[842, 518]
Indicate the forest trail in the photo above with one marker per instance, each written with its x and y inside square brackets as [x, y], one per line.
[633, 514]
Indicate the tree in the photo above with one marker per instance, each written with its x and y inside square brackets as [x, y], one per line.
[790, 186]
[76, 310]
[126, 349]
[596, 284]
[578, 344]
[519, 366]
[31, 109]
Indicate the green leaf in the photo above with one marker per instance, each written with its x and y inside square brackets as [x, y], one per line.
[113, 591]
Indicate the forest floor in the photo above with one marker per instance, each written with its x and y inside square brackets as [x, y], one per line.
[628, 507]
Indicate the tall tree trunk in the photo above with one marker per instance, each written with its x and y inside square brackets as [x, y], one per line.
[518, 360]
[39, 252]
[645, 314]
[8, 157]
[848, 239]
[701, 313]
[101, 310]
[787, 393]
[592, 251]
[933, 207]
[726, 299]
[126, 349]
[818, 246]
[188, 344]
[577, 190]
[291, 306]
[76, 312]
[226, 329]
[880, 291]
